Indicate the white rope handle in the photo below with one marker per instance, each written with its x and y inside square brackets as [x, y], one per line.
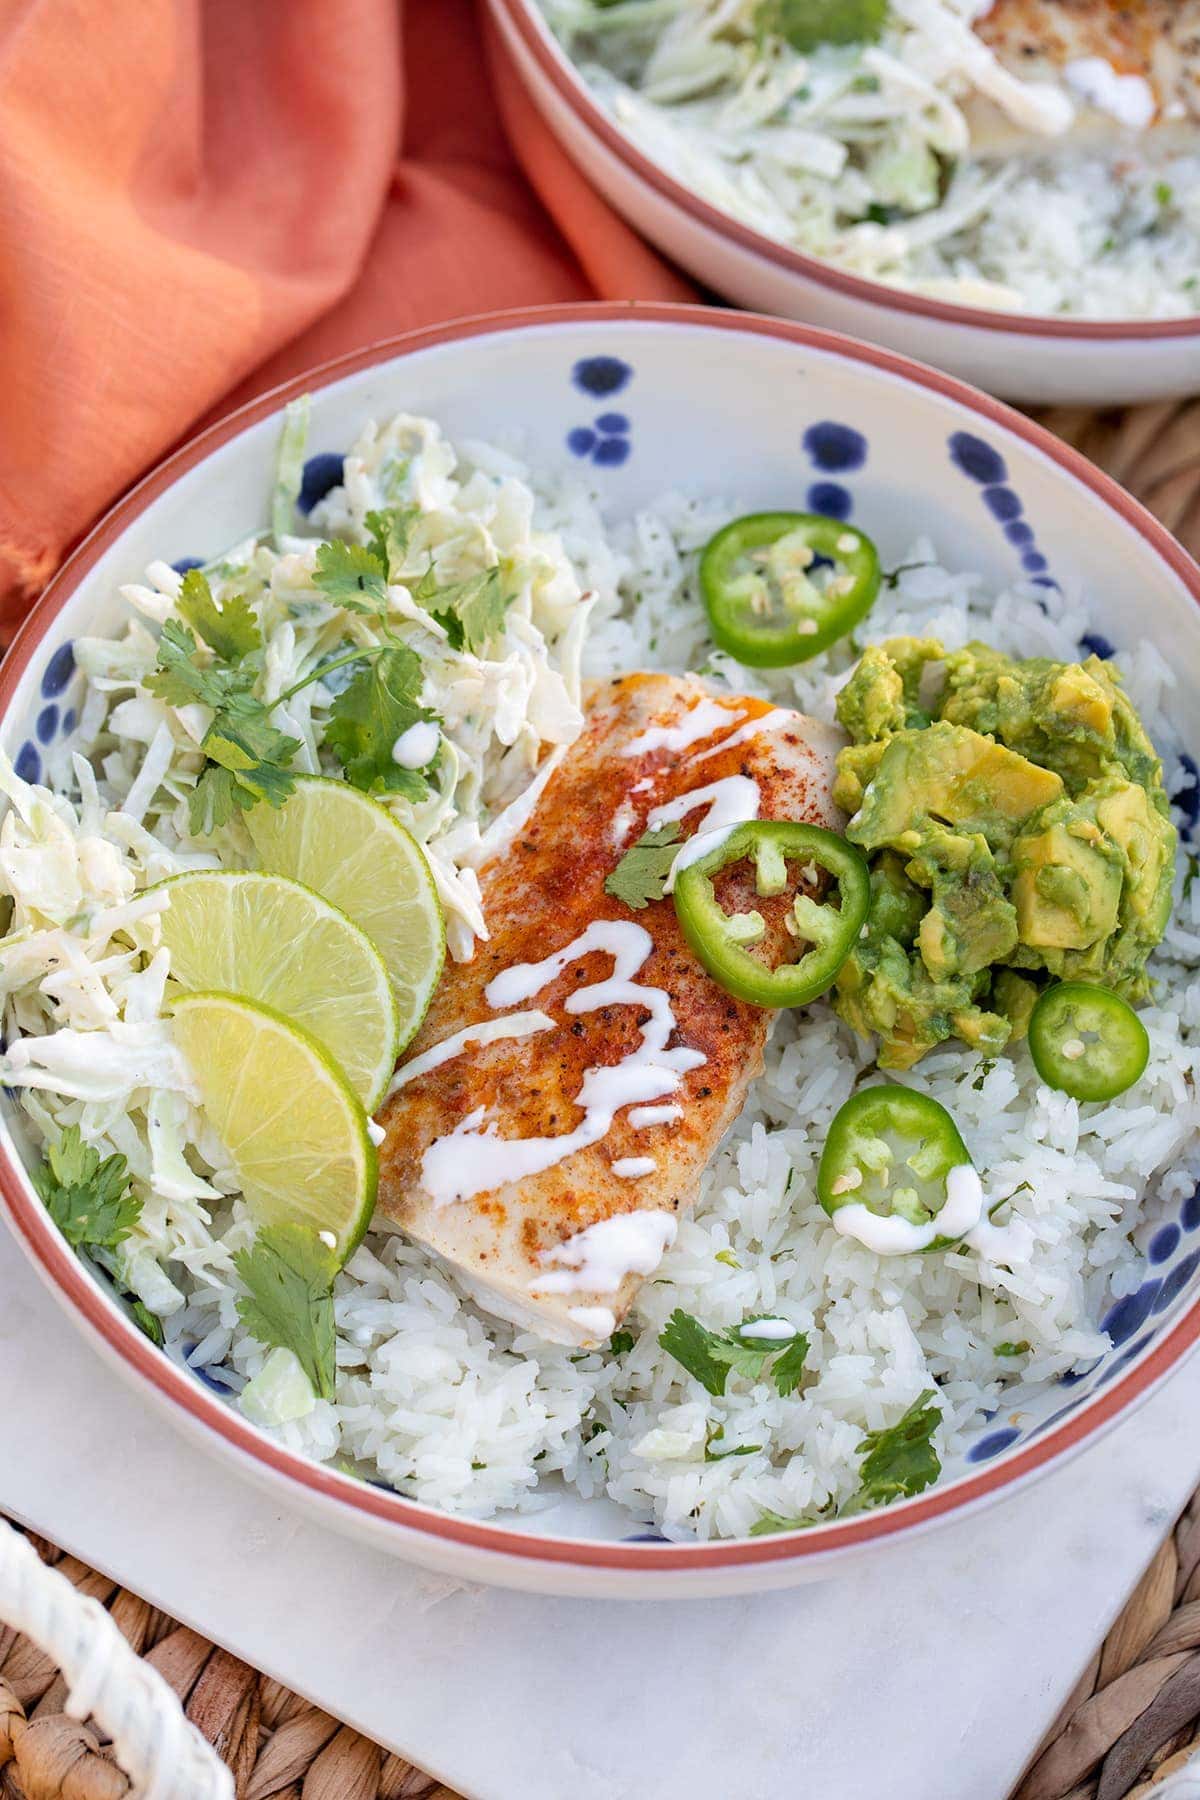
[159, 1749]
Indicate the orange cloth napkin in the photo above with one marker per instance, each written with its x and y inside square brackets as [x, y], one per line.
[199, 198]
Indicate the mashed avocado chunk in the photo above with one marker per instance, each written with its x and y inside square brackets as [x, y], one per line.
[1018, 828]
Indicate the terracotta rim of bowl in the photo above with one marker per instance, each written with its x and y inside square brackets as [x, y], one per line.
[62, 1271]
[570, 87]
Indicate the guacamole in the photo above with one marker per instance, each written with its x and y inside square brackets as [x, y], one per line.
[1018, 829]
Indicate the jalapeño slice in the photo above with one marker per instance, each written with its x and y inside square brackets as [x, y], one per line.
[724, 941]
[781, 586]
[891, 1149]
[1087, 1042]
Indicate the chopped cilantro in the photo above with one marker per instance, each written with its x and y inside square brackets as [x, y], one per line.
[712, 1454]
[621, 1341]
[641, 875]
[709, 1356]
[790, 1365]
[728, 1258]
[1164, 193]
[806, 24]
[1012, 1349]
[288, 1304]
[901, 1460]
[230, 631]
[391, 535]
[352, 576]
[371, 712]
[472, 611]
[89, 1200]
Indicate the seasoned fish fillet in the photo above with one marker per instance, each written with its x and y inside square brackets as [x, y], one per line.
[547, 1168]
[1128, 65]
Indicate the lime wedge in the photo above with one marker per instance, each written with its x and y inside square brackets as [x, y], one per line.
[295, 1130]
[277, 942]
[339, 841]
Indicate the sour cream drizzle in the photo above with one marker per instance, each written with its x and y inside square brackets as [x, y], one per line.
[487, 1031]
[473, 1158]
[774, 720]
[963, 1218]
[731, 801]
[1127, 98]
[705, 717]
[598, 1260]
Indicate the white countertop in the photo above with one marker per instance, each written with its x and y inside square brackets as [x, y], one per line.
[931, 1670]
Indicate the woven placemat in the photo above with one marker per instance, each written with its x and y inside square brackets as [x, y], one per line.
[1132, 1719]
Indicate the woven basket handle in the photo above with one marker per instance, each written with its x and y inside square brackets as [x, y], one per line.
[159, 1749]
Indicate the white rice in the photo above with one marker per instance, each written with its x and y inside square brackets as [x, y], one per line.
[450, 1407]
[862, 155]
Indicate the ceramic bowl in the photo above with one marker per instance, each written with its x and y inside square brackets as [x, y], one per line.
[1037, 360]
[719, 404]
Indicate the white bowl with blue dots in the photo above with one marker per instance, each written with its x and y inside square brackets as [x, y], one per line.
[641, 400]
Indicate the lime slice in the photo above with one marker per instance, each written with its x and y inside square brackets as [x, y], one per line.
[339, 841]
[275, 941]
[295, 1130]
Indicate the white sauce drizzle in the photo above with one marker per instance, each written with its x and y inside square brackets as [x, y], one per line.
[505, 826]
[597, 1321]
[775, 720]
[643, 1116]
[704, 718]
[774, 1331]
[1127, 98]
[731, 801]
[474, 1159]
[416, 746]
[630, 1168]
[487, 1031]
[596, 1261]
[963, 1217]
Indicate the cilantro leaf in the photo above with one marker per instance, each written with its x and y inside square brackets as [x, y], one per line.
[250, 754]
[89, 1200]
[230, 631]
[790, 1366]
[179, 679]
[901, 1460]
[641, 875]
[288, 1274]
[805, 24]
[370, 713]
[620, 1342]
[710, 1355]
[391, 535]
[691, 1344]
[352, 576]
[471, 610]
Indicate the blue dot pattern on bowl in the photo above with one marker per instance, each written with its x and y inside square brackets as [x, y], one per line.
[322, 473]
[835, 448]
[58, 671]
[984, 1448]
[831, 499]
[187, 562]
[980, 463]
[601, 375]
[1130, 1313]
[605, 441]
[28, 762]
[1187, 795]
[47, 723]
[1094, 643]
[1163, 1244]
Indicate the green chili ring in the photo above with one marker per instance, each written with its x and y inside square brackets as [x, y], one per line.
[763, 607]
[1087, 1042]
[885, 1132]
[720, 939]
